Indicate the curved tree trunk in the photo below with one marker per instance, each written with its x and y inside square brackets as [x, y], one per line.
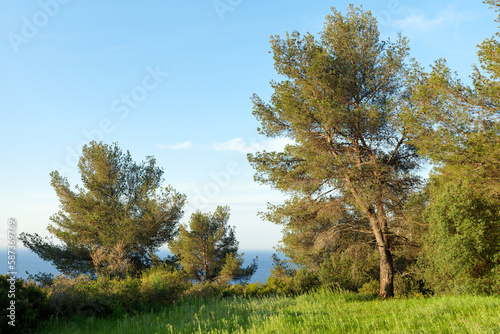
[378, 223]
[386, 262]
[386, 272]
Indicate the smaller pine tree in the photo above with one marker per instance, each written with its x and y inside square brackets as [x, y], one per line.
[208, 249]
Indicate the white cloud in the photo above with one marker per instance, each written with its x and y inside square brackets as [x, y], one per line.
[178, 146]
[243, 146]
[446, 18]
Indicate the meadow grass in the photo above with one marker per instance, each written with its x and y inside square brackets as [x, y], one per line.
[318, 312]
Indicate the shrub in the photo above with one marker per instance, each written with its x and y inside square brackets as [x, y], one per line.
[285, 279]
[371, 288]
[254, 289]
[462, 247]
[78, 296]
[407, 285]
[30, 304]
[87, 297]
[281, 278]
[304, 281]
[202, 291]
[233, 289]
[162, 285]
[351, 268]
[103, 296]
[125, 295]
[279, 282]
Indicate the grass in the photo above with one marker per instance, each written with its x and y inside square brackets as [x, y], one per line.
[319, 312]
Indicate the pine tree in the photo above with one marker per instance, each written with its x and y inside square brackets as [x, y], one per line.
[208, 249]
[351, 166]
[115, 222]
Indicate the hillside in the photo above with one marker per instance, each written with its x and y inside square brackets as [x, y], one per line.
[319, 312]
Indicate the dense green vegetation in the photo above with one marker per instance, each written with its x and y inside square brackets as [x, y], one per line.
[363, 119]
[359, 223]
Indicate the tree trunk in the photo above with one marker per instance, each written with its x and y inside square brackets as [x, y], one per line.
[379, 228]
[386, 272]
[386, 263]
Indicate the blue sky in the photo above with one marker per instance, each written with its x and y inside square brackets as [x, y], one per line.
[173, 79]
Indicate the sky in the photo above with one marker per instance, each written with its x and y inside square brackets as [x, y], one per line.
[173, 80]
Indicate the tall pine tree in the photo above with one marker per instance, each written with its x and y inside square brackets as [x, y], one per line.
[351, 166]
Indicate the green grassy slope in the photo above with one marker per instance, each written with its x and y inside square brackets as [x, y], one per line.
[319, 312]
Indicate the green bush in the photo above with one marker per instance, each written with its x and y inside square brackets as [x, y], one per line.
[461, 252]
[202, 291]
[407, 285]
[103, 296]
[254, 289]
[78, 296]
[163, 285]
[280, 282]
[304, 281]
[371, 288]
[233, 289]
[30, 305]
[351, 268]
[287, 280]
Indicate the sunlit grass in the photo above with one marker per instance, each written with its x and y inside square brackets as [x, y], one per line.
[320, 312]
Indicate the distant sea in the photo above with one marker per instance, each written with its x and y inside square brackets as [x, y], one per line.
[27, 261]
